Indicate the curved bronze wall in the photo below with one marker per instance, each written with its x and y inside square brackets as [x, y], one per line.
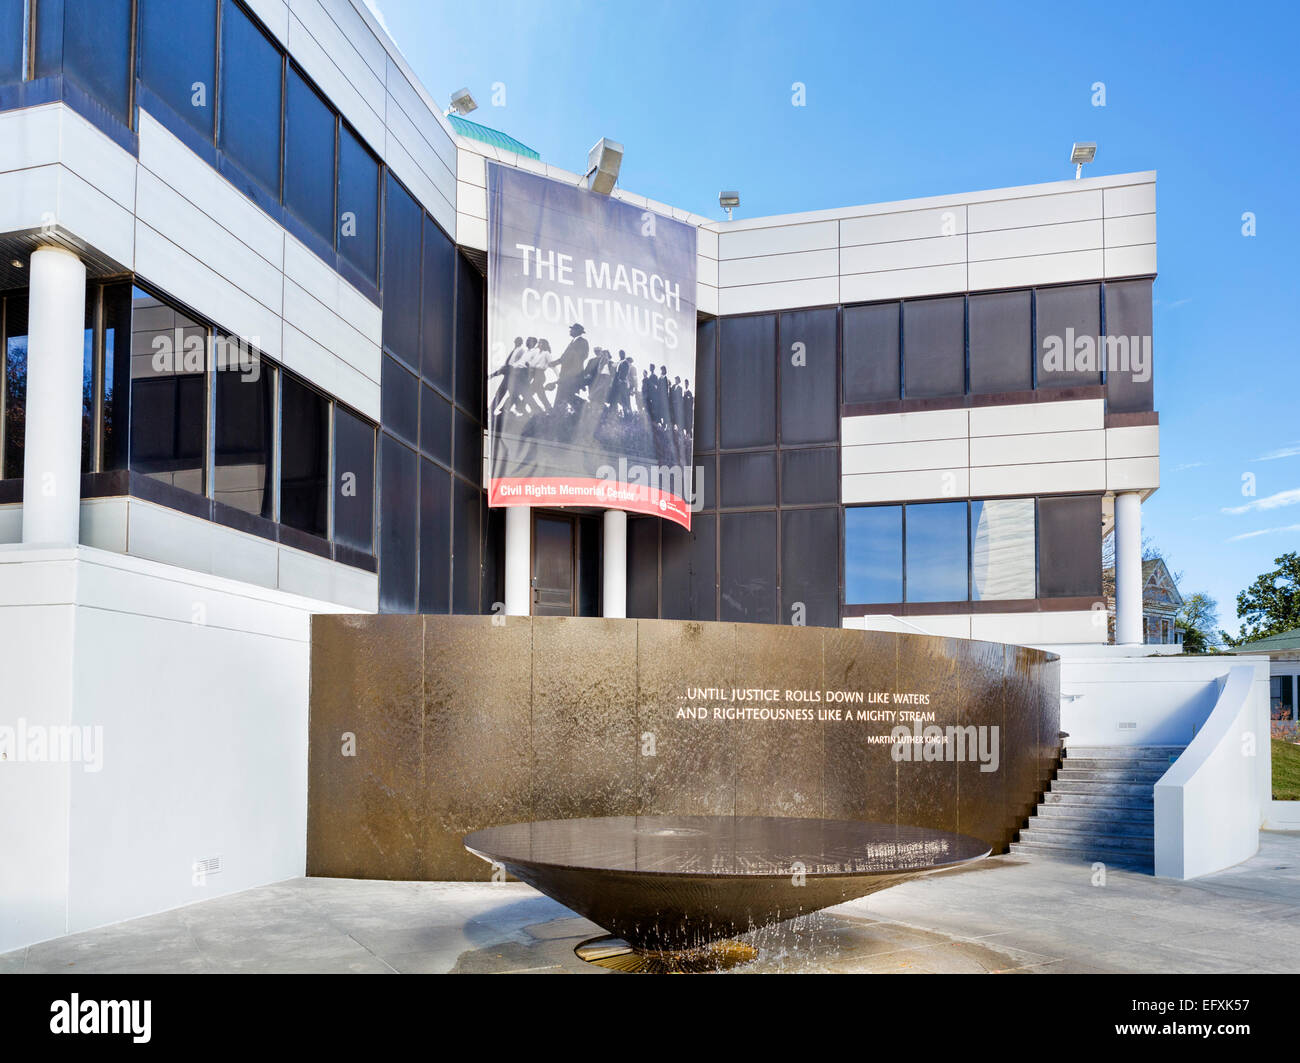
[460, 722]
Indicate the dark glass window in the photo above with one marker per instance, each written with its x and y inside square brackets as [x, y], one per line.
[400, 401]
[706, 368]
[466, 528]
[871, 353]
[304, 457]
[689, 569]
[12, 24]
[748, 575]
[873, 555]
[92, 46]
[469, 447]
[403, 221]
[675, 552]
[1129, 347]
[936, 552]
[1002, 549]
[747, 384]
[435, 425]
[469, 337]
[748, 479]
[15, 386]
[358, 205]
[810, 476]
[178, 57]
[1001, 343]
[1069, 546]
[1069, 325]
[168, 393]
[354, 481]
[245, 390]
[88, 382]
[309, 128]
[437, 306]
[934, 347]
[251, 85]
[810, 411]
[115, 426]
[643, 567]
[399, 526]
[810, 569]
[435, 539]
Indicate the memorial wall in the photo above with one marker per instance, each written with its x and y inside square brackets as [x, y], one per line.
[424, 728]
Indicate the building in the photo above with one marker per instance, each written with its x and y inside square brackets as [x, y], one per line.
[243, 339]
[1160, 604]
[1284, 672]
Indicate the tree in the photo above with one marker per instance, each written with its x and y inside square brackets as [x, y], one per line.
[1199, 619]
[1271, 604]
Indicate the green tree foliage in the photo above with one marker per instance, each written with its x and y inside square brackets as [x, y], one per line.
[1271, 604]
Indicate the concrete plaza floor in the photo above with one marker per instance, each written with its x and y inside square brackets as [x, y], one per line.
[1008, 914]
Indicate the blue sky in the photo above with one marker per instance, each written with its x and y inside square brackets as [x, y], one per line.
[914, 99]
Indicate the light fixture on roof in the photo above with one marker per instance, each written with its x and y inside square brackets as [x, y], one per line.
[603, 163]
[1081, 153]
[729, 201]
[462, 102]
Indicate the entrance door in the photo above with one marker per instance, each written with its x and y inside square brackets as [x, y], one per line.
[553, 567]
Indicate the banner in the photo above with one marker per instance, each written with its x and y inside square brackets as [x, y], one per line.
[591, 350]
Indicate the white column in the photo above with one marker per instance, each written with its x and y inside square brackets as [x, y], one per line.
[519, 560]
[1128, 568]
[613, 563]
[56, 321]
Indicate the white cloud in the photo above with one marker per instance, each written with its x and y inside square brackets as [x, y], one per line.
[1263, 531]
[1288, 451]
[1189, 465]
[1277, 501]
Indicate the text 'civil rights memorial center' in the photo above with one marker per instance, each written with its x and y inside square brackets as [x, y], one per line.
[254, 266]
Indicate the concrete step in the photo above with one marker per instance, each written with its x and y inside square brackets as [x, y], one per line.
[1119, 763]
[1100, 816]
[1090, 786]
[1083, 821]
[1120, 858]
[1163, 753]
[1083, 839]
[1070, 772]
[1094, 800]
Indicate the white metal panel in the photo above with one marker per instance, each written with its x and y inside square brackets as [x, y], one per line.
[777, 240]
[1020, 211]
[1037, 269]
[903, 225]
[1031, 417]
[903, 283]
[1129, 199]
[904, 254]
[782, 295]
[770, 268]
[1036, 240]
[1136, 261]
[1031, 449]
[904, 427]
[906, 486]
[1047, 478]
[1132, 474]
[1134, 441]
[904, 457]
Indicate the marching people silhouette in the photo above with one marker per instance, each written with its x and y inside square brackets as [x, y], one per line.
[588, 398]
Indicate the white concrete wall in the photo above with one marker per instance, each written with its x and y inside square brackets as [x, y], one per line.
[147, 530]
[1021, 629]
[1210, 804]
[200, 686]
[992, 451]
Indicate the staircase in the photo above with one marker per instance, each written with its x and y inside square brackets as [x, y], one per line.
[1100, 807]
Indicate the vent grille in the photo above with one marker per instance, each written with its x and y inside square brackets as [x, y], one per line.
[208, 866]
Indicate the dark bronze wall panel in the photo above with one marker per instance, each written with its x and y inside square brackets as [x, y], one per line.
[465, 722]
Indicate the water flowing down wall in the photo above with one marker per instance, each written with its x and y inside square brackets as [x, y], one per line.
[424, 728]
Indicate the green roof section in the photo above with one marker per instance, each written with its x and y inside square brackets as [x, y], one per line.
[495, 137]
[1286, 640]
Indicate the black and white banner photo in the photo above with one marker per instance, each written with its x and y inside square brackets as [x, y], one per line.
[591, 350]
